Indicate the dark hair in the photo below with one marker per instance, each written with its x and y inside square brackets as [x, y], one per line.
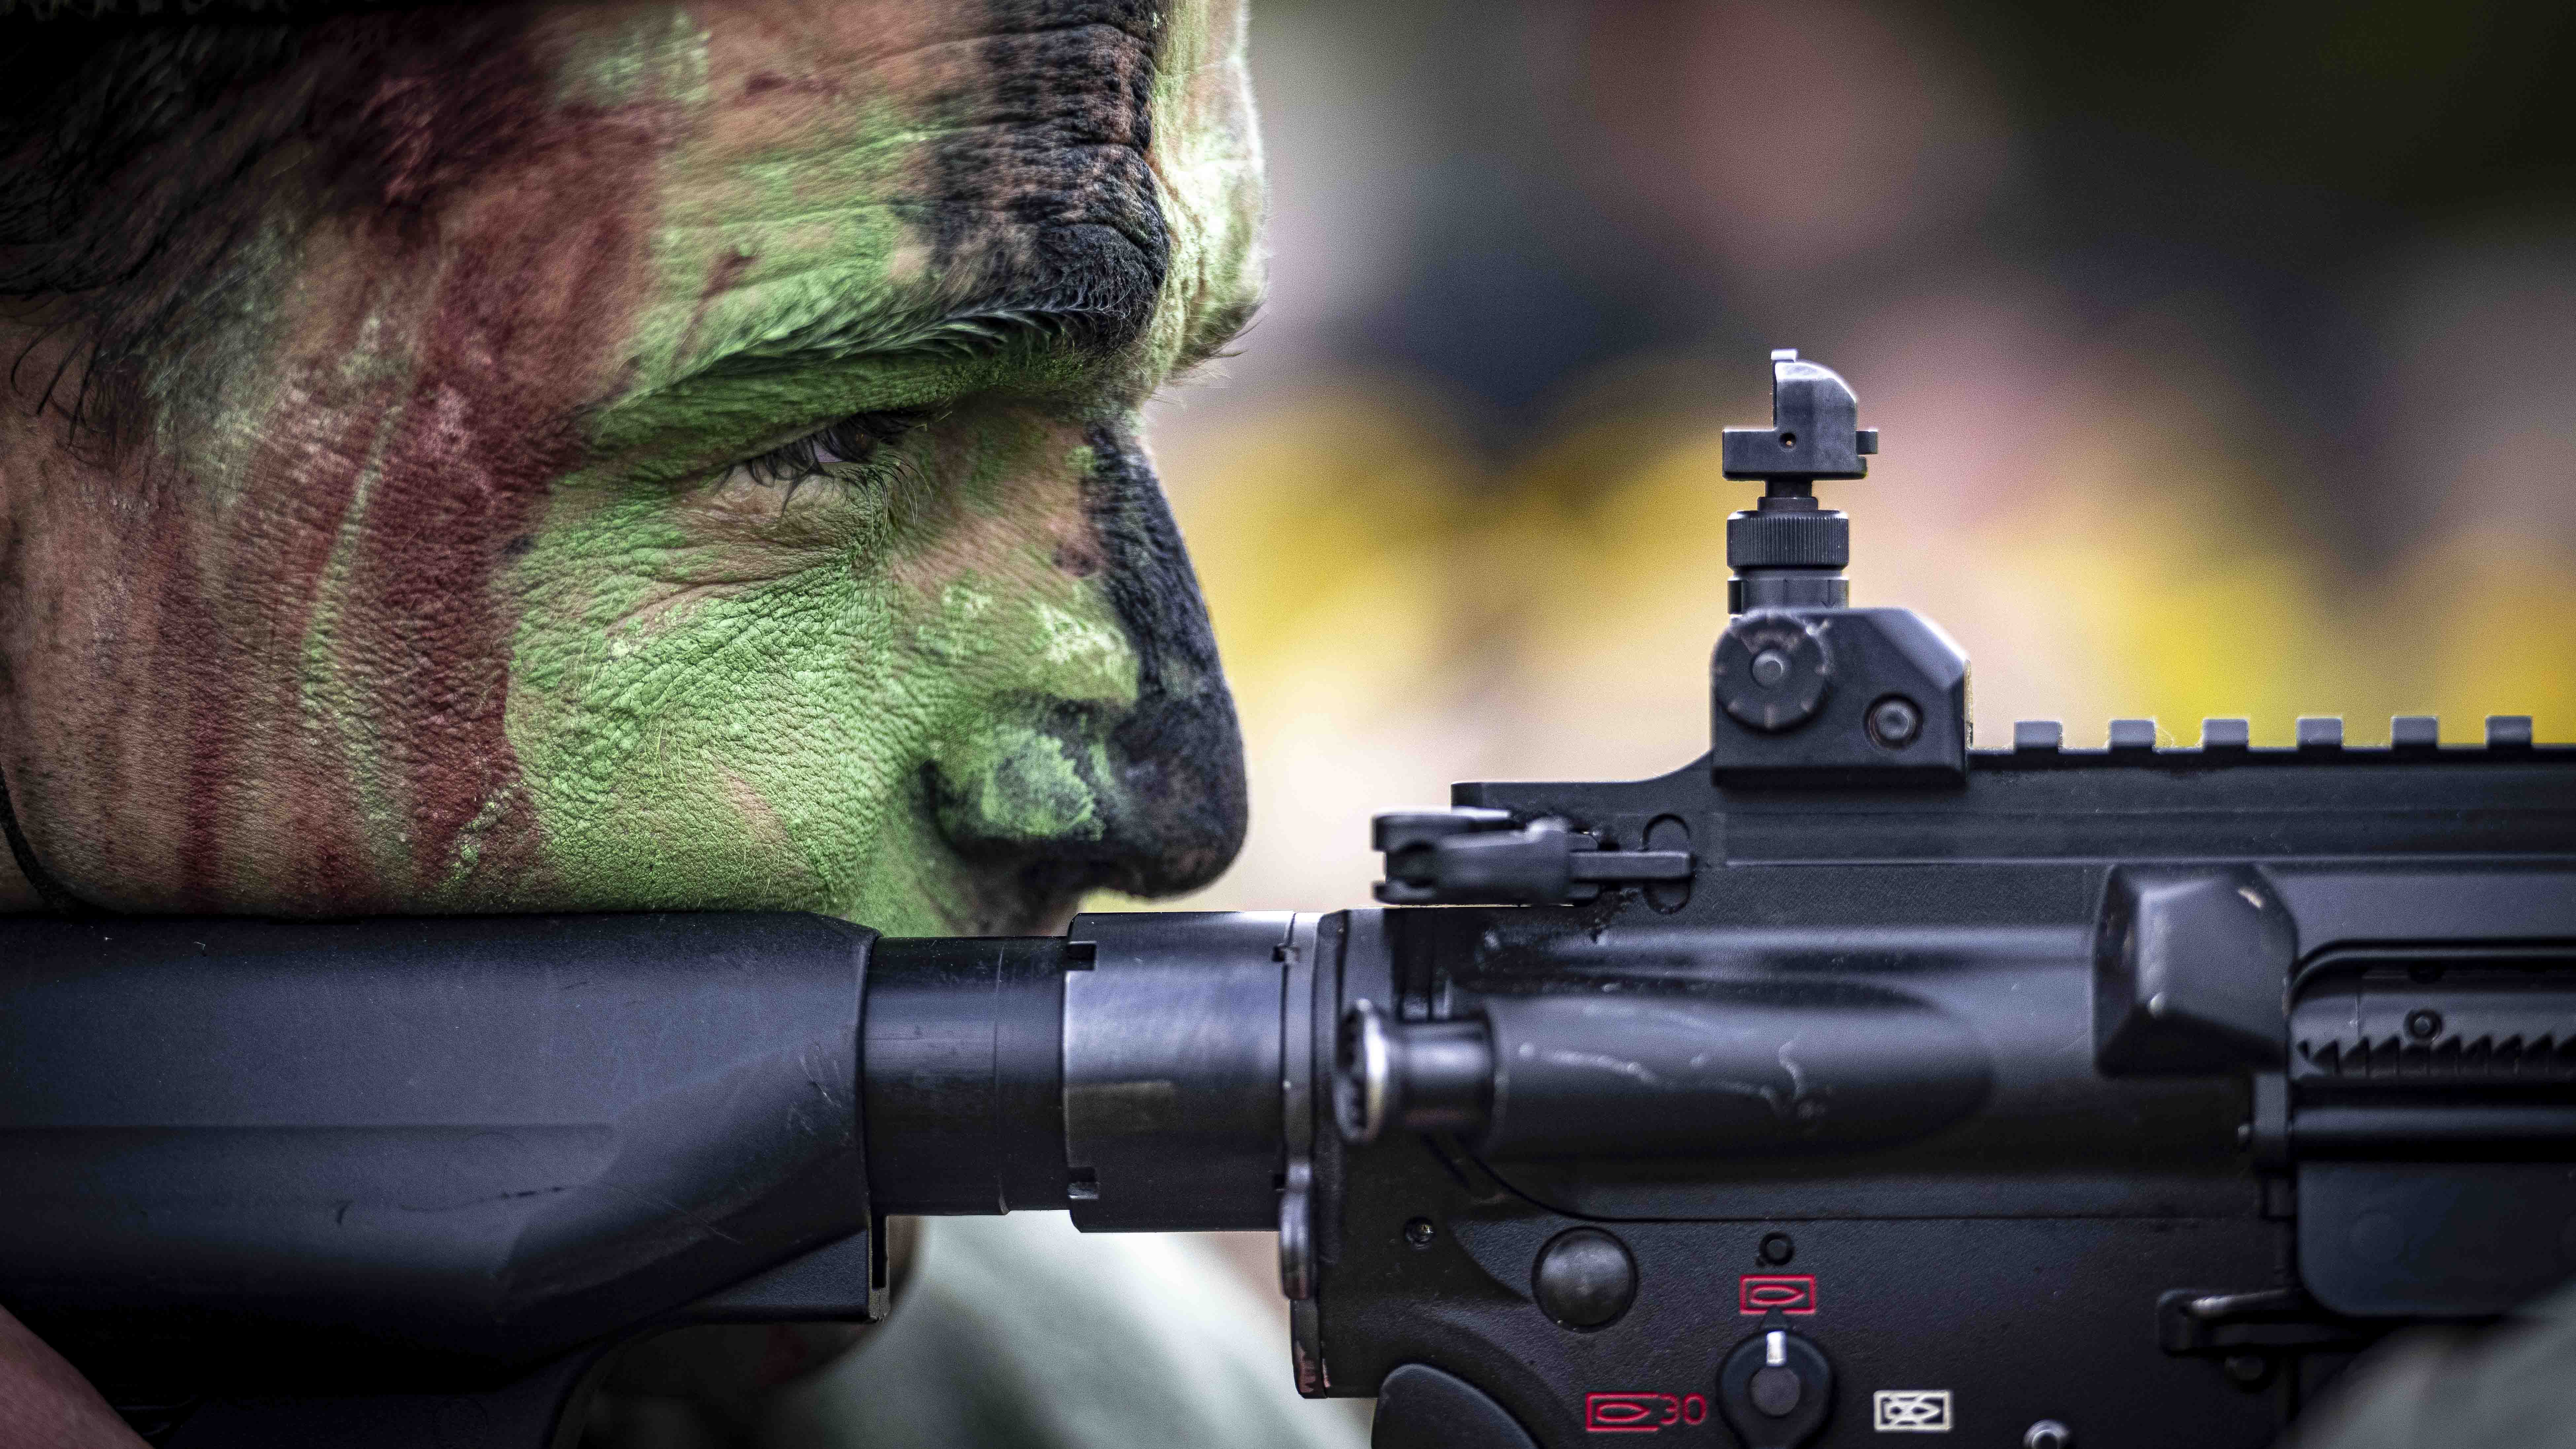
[139, 156]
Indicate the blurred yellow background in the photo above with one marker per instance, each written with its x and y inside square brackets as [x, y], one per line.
[2204, 388]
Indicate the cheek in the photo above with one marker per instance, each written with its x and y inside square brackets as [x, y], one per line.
[714, 710]
[1000, 577]
[358, 530]
[411, 599]
[693, 714]
[123, 698]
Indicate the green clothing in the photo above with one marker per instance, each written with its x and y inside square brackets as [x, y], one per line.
[1020, 1333]
[2510, 1387]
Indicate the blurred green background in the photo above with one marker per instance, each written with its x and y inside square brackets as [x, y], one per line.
[2223, 354]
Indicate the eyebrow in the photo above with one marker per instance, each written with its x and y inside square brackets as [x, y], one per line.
[851, 329]
[1082, 285]
[1063, 310]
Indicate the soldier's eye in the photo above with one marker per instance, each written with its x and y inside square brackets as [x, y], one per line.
[853, 442]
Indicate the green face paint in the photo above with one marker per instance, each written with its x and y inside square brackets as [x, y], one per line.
[733, 695]
[465, 598]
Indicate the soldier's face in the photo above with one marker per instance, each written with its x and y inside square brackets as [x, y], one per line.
[720, 490]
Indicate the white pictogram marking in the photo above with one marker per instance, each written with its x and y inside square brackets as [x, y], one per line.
[1912, 1411]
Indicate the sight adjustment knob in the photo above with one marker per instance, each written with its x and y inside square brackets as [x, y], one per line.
[1771, 671]
[1779, 539]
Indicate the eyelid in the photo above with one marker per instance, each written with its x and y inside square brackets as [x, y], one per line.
[856, 439]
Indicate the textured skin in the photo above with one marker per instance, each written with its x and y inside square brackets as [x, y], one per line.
[44, 1402]
[434, 585]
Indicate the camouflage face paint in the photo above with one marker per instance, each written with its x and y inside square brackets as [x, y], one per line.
[448, 589]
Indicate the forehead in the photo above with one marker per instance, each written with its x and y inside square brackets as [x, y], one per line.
[829, 180]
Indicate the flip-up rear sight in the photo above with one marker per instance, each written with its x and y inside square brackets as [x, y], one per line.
[1804, 686]
[1787, 551]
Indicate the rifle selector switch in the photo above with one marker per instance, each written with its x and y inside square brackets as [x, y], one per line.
[1775, 1390]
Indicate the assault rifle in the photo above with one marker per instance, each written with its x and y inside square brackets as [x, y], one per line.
[1846, 1081]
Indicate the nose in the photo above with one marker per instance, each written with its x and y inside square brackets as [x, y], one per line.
[1165, 808]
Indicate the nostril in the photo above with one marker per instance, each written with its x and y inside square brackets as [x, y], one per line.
[1151, 803]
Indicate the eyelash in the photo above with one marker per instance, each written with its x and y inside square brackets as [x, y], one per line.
[853, 441]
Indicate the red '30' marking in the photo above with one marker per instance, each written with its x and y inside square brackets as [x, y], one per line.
[1641, 1413]
[1757, 1294]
